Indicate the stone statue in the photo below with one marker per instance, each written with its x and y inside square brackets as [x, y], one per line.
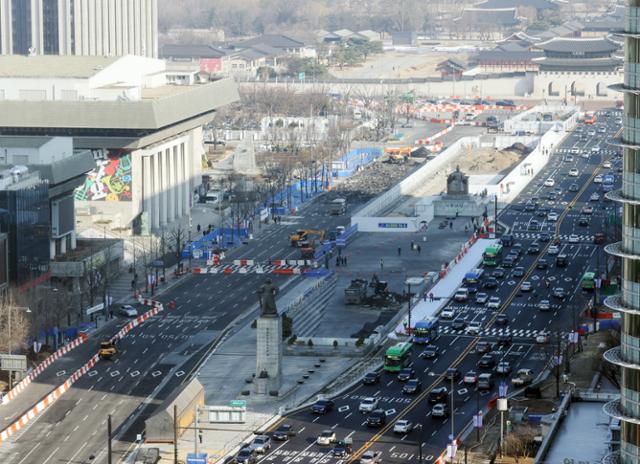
[267, 298]
[457, 183]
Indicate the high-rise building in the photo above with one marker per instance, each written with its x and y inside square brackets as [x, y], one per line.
[79, 27]
[627, 356]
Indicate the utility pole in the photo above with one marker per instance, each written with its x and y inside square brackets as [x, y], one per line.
[478, 414]
[557, 363]
[175, 434]
[189, 246]
[409, 305]
[195, 432]
[109, 439]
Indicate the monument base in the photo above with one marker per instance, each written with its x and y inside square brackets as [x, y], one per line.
[471, 206]
[268, 379]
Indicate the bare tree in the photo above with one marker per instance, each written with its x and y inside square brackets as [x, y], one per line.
[520, 444]
[14, 323]
[178, 238]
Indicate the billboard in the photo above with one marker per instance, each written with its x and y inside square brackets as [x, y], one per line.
[111, 178]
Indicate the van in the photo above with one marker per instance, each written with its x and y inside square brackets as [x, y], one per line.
[485, 382]
[338, 206]
[213, 198]
[561, 260]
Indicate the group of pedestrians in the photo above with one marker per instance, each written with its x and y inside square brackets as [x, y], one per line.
[341, 260]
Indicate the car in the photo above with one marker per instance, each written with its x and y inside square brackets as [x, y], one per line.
[491, 282]
[552, 216]
[553, 250]
[322, 406]
[283, 433]
[552, 196]
[508, 261]
[412, 387]
[562, 260]
[573, 238]
[574, 187]
[522, 378]
[487, 361]
[544, 305]
[429, 352]
[481, 298]
[534, 225]
[574, 172]
[606, 164]
[599, 238]
[504, 339]
[470, 378]
[559, 293]
[340, 449]
[326, 438]
[438, 395]
[459, 323]
[502, 319]
[371, 457]
[597, 179]
[568, 159]
[549, 182]
[261, 444]
[529, 207]
[583, 221]
[471, 288]
[494, 302]
[586, 210]
[377, 418]
[503, 368]
[483, 347]
[499, 273]
[594, 197]
[517, 249]
[542, 337]
[368, 404]
[403, 426]
[545, 237]
[533, 249]
[506, 240]
[371, 378]
[518, 271]
[462, 294]
[526, 286]
[591, 133]
[452, 373]
[128, 310]
[246, 456]
[440, 410]
[473, 328]
[542, 264]
[447, 313]
[406, 374]
[485, 381]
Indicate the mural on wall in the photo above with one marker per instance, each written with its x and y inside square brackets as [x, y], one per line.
[110, 180]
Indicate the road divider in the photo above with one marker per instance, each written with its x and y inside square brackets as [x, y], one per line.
[20, 386]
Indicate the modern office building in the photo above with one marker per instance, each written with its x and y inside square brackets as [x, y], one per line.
[627, 355]
[79, 27]
[144, 133]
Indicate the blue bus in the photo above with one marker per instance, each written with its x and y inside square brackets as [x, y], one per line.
[473, 277]
[607, 182]
[425, 331]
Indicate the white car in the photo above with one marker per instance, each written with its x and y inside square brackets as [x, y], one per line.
[261, 444]
[326, 437]
[462, 294]
[494, 302]
[574, 172]
[549, 182]
[368, 404]
[542, 337]
[606, 164]
[597, 179]
[371, 457]
[403, 426]
[544, 305]
[552, 216]
[594, 197]
[573, 238]
[448, 313]
[481, 298]
[128, 310]
[553, 250]
[473, 328]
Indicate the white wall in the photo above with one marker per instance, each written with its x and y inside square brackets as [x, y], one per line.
[586, 80]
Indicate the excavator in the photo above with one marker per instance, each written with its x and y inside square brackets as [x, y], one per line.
[301, 237]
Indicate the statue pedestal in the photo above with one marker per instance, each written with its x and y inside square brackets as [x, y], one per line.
[269, 355]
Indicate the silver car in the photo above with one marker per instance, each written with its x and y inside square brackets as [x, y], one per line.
[261, 444]
[403, 426]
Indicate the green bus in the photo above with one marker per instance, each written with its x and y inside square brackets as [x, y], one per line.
[491, 255]
[588, 281]
[397, 357]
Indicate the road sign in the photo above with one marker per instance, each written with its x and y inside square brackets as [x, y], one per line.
[200, 458]
[502, 389]
[197, 253]
[13, 362]
[341, 242]
[477, 420]
[238, 403]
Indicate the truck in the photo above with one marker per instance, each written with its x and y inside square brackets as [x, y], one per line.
[338, 206]
[356, 292]
[492, 124]
[523, 378]
[107, 349]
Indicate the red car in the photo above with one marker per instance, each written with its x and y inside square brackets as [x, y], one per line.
[598, 238]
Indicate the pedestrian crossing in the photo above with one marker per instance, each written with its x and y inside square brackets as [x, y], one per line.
[578, 151]
[494, 332]
[562, 237]
[252, 269]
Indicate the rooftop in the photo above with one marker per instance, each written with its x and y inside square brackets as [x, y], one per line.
[579, 45]
[47, 66]
[272, 40]
[23, 142]
[537, 4]
[489, 16]
[190, 51]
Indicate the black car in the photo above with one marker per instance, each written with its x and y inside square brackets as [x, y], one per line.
[542, 264]
[502, 319]
[504, 340]
[483, 347]
[283, 433]
[559, 293]
[518, 272]
[429, 352]
[533, 249]
[340, 449]
[487, 361]
[322, 406]
[491, 282]
[246, 456]
[574, 188]
[412, 386]
[371, 378]
[506, 262]
[499, 273]
[545, 237]
[452, 373]
[583, 221]
[377, 418]
[561, 260]
[516, 249]
[542, 212]
[506, 240]
[406, 374]
[438, 395]
[459, 323]
[529, 207]
[472, 289]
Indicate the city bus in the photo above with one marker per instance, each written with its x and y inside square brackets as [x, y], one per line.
[590, 117]
[397, 357]
[473, 276]
[588, 281]
[491, 255]
[426, 331]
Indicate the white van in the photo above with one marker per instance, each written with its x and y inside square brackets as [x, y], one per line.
[213, 198]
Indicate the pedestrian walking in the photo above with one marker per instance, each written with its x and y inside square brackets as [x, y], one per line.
[431, 296]
[412, 246]
[133, 284]
[457, 214]
[198, 228]
[345, 260]
[381, 263]
[419, 249]
[337, 261]
[466, 229]
[200, 435]
[424, 296]
[450, 225]
[399, 251]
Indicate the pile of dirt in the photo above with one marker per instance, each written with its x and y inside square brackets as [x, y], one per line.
[488, 161]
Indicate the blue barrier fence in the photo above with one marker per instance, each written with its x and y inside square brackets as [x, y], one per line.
[354, 160]
[227, 238]
[294, 195]
[349, 233]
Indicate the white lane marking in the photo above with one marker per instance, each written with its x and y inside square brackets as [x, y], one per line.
[27, 455]
[51, 455]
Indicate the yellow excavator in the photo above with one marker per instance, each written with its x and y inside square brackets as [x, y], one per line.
[300, 236]
[107, 349]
